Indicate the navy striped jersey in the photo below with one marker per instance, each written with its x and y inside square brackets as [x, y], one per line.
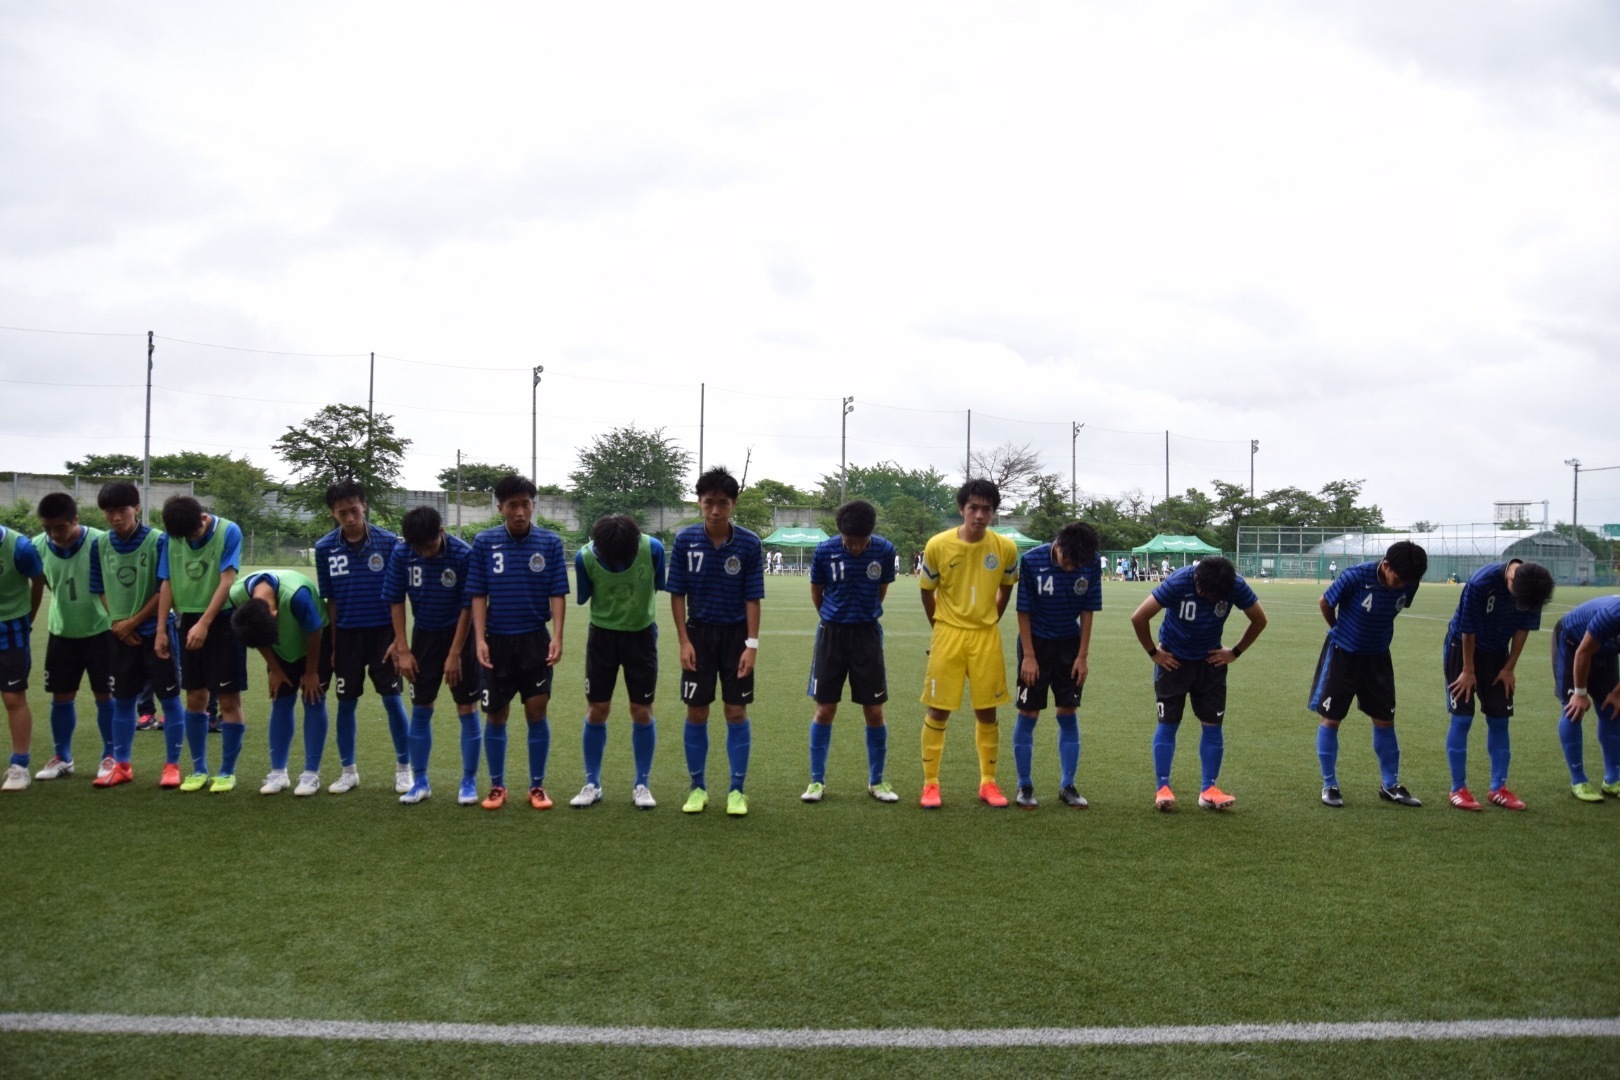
[1192, 625]
[437, 586]
[15, 588]
[1486, 610]
[1053, 597]
[717, 581]
[230, 554]
[519, 577]
[350, 576]
[305, 607]
[1600, 618]
[127, 547]
[1366, 609]
[850, 583]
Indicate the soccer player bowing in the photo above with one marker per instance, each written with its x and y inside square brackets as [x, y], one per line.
[1586, 644]
[279, 613]
[1190, 660]
[849, 577]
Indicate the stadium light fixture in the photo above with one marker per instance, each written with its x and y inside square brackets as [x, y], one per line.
[1575, 500]
[534, 425]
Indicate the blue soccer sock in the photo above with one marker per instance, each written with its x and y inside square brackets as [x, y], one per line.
[123, 728]
[877, 753]
[495, 751]
[197, 740]
[1457, 749]
[174, 729]
[643, 741]
[398, 727]
[20, 759]
[64, 718]
[1498, 748]
[472, 745]
[1164, 751]
[281, 731]
[1569, 734]
[1388, 751]
[1024, 747]
[1608, 735]
[316, 723]
[1327, 752]
[1068, 726]
[421, 740]
[697, 752]
[1211, 748]
[230, 745]
[104, 722]
[739, 738]
[347, 731]
[820, 742]
[539, 750]
[593, 741]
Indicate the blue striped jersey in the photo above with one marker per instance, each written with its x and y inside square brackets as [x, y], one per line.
[26, 563]
[1600, 618]
[437, 586]
[850, 584]
[1192, 624]
[716, 581]
[350, 576]
[1486, 610]
[230, 553]
[518, 576]
[127, 547]
[1053, 597]
[305, 607]
[1365, 609]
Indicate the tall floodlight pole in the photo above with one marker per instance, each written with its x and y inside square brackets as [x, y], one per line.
[1167, 464]
[843, 449]
[1575, 502]
[458, 491]
[146, 464]
[371, 396]
[967, 463]
[703, 399]
[1254, 448]
[534, 424]
[1074, 474]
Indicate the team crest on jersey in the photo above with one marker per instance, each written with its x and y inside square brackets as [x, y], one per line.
[1221, 609]
[448, 578]
[196, 569]
[874, 571]
[733, 565]
[375, 563]
[991, 562]
[537, 562]
[126, 576]
[1080, 586]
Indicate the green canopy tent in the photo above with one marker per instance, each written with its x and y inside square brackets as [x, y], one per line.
[1024, 543]
[800, 537]
[1165, 544]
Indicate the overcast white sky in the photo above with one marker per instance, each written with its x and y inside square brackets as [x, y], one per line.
[1383, 239]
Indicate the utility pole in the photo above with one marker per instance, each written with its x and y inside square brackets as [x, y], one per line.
[1074, 484]
[146, 465]
[458, 491]
[1575, 503]
[1254, 448]
[967, 463]
[1167, 464]
[703, 399]
[843, 449]
[371, 403]
[534, 424]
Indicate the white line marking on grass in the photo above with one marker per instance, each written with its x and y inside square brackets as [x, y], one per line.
[807, 1038]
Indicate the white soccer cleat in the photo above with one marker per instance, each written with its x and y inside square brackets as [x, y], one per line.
[277, 782]
[16, 778]
[107, 766]
[589, 795]
[54, 769]
[643, 797]
[404, 779]
[420, 792]
[309, 783]
[347, 782]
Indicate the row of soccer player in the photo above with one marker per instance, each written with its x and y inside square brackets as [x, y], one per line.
[489, 616]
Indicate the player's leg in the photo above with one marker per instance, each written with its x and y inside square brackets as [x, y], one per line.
[1496, 701]
[1030, 698]
[869, 688]
[821, 726]
[162, 675]
[121, 716]
[228, 673]
[1170, 701]
[348, 658]
[601, 679]
[193, 665]
[282, 725]
[1330, 701]
[14, 668]
[62, 678]
[390, 688]
[1066, 700]
[1461, 710]
[1375, 696]
[419, 728]
[829, 670]
[1208, 696]
[942, 695]
[536, 693]
[639, 657]
[697, 693]
[736, 694]
[987, 676]
[500, 687]
[467, 692]
[1601, 682]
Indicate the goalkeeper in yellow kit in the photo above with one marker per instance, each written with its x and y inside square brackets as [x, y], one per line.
[967, 579]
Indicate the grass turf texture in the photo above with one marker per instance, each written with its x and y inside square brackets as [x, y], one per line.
[847, 913]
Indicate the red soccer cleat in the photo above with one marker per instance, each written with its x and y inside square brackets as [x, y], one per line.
[495, 799]
[1164, 799]
[1462, 800]
[170, 777]
[991, 794]
[930, 797]
[121, 773]
[539, 799]
[1504, 798]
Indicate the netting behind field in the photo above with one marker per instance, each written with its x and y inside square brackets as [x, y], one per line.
[1316, 553]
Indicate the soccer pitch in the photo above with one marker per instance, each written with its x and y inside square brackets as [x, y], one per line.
[848, 916]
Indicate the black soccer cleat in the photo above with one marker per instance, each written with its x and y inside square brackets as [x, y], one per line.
[1331, 796]
[1397, 793]
[1073, 798]
[1026, 797]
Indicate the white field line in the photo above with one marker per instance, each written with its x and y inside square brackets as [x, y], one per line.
[807, 1038]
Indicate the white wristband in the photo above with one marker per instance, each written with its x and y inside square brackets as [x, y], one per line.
[1579, 691]
[751, 643]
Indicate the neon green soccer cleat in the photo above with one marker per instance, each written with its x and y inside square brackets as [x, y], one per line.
[1612, 789]
[195, 782]
[1587, 792]
[223, 783]
[737, 804]
[697, 800]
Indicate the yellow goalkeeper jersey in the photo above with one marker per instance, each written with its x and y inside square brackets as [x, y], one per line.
[965, 577]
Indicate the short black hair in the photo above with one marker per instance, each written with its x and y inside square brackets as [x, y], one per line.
[1077, 542]
[254, 623]
[718, 479]
[1408, 560]
[58, 506]
[1532, 586]
[117, 494]
[420, 526]
[856, 518]
[340, 490]
[182, 516]
[1214, 577]
[616, 538]
[510, 487]
[980, 487]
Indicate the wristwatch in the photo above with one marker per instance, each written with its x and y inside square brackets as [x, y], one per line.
[751, 643]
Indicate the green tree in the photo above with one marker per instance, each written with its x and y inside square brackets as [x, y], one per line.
[1051, 510]
[753, 512]
[333, 445]
[906, 522]
[475, 476]
[627, 470]
[776, 493]
[104, 465]
[880, 483]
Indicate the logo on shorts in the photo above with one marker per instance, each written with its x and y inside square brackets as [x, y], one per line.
[874, 571]
[991, 562]
[448, 578]
[1080, 586]
[537, 562]
[126, 576]
[375, 563]
[1221, 609]
[733, 565]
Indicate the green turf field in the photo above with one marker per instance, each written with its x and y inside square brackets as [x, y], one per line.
[847, 914]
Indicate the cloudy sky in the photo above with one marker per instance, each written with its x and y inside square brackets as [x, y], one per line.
[1382, 239]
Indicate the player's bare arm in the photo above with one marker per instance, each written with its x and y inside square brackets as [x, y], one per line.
[480, 613]
[677, 610]
[746, 664]
[1462, 687]
[404, 659]
[1082, 659]
[1141, 620]
[1579, 699]
[559, 610]
[1508, 676]
[1257, 623]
